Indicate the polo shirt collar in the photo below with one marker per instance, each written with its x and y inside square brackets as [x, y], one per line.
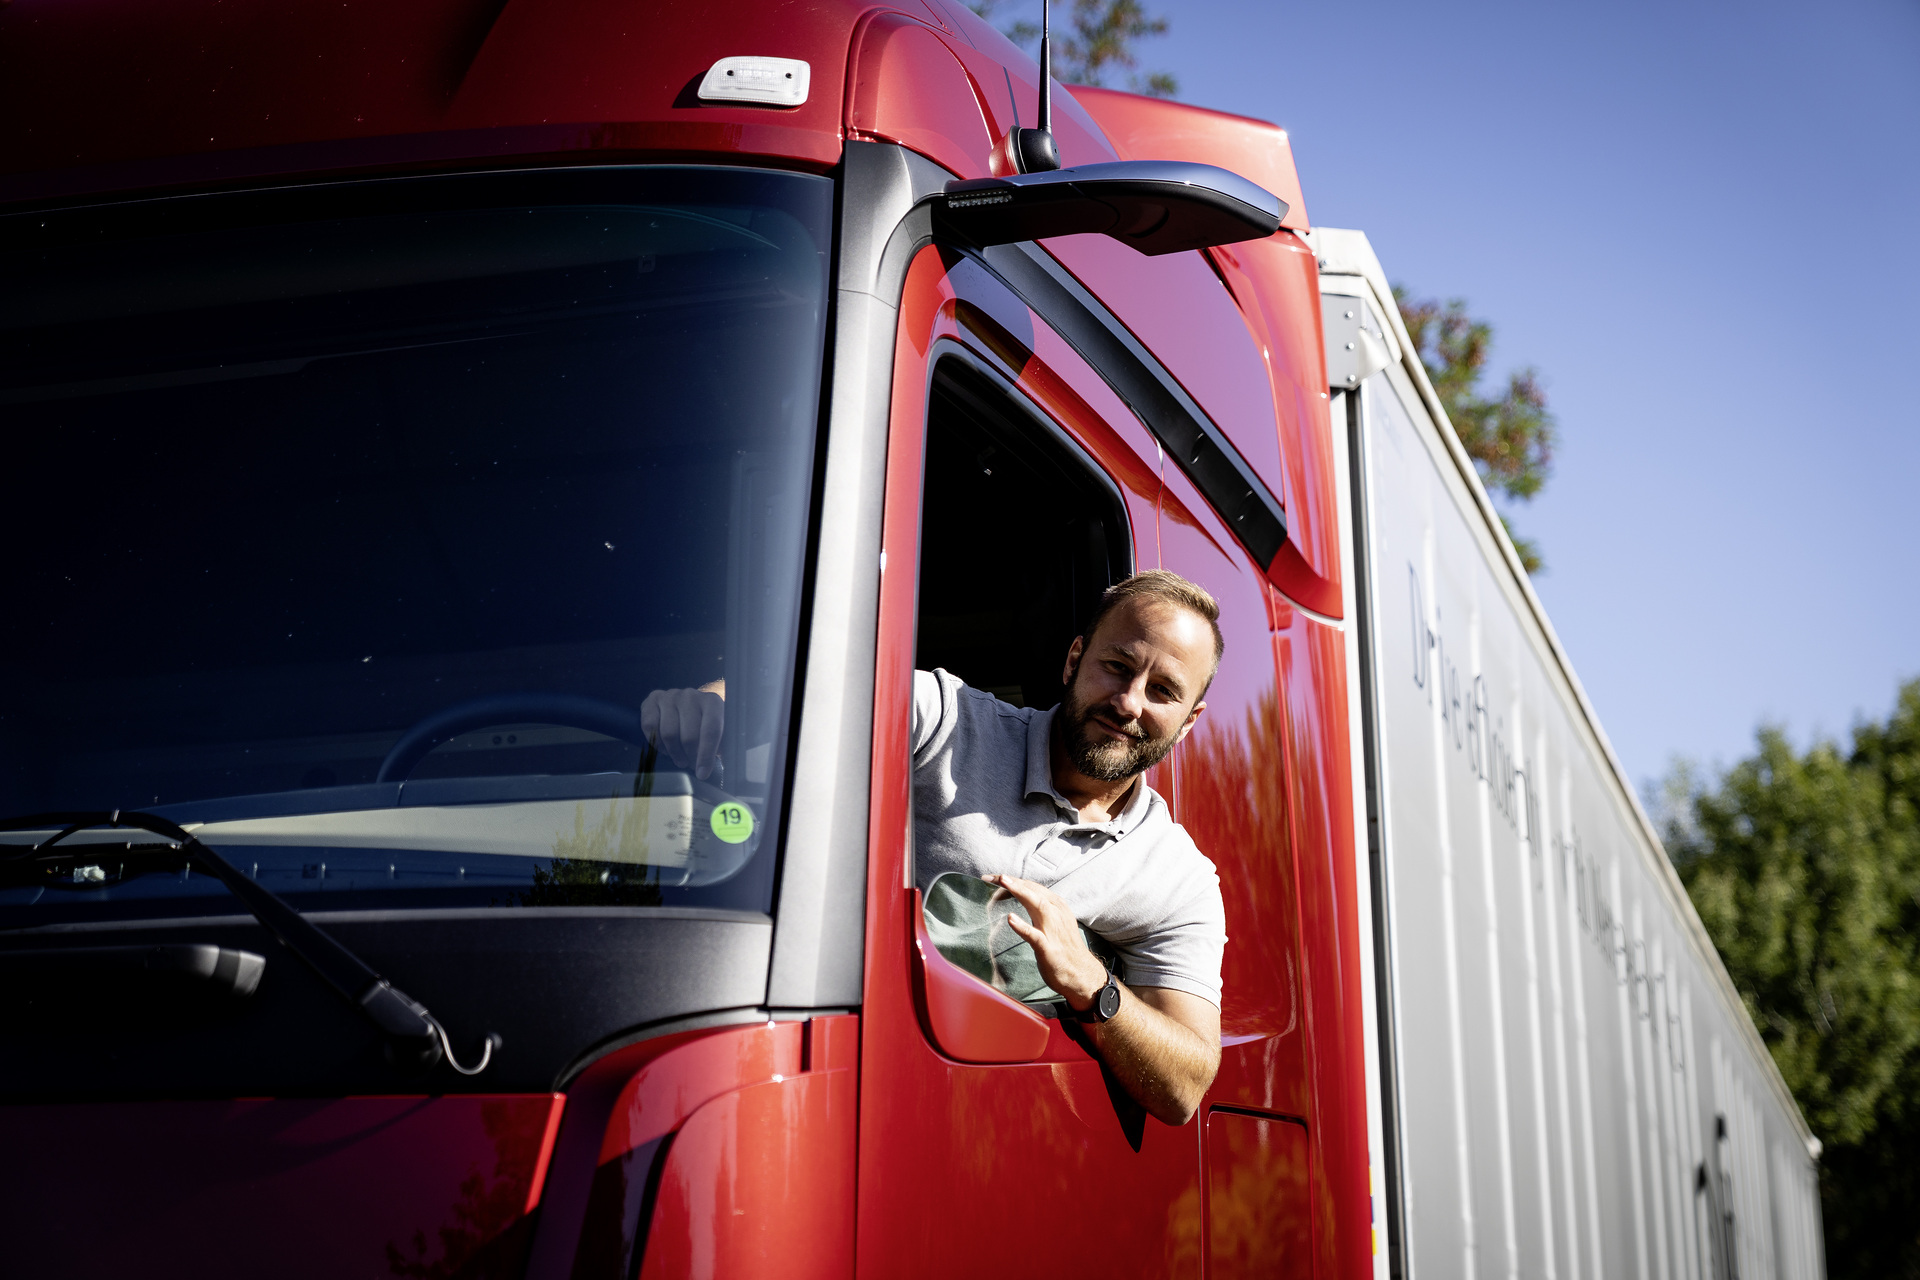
[1040, 781]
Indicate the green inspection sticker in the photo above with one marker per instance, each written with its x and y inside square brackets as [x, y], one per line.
[732, 822]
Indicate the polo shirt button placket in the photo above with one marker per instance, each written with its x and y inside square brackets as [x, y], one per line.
[1038, 863]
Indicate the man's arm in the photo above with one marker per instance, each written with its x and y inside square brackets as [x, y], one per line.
[1163, 1045]
[688, 724]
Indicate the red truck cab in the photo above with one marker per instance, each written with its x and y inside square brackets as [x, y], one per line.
[399, 394]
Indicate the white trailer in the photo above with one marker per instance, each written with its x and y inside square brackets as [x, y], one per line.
[1565, 1082]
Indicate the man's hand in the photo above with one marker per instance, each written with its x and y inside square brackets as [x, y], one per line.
[1065, 963]
[687, 724]
[1163, 1045]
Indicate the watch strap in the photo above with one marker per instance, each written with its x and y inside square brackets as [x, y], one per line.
[1103, 1008]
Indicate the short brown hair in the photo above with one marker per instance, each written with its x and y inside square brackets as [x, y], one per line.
[1167, 587]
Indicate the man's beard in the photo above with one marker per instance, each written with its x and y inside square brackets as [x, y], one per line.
[1103, 759]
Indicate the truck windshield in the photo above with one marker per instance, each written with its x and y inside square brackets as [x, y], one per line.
[349, 527]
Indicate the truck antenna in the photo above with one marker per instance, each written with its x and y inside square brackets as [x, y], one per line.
[1046, 68]
[1033, 149]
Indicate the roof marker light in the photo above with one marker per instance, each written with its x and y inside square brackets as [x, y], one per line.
[773, 82]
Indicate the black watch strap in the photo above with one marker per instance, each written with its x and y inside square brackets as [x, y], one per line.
[1106, 1002]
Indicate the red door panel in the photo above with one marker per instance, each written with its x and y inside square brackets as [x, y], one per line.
[1259, 1221]
[1266, 797]
[1030, 1168]
[1313, 688]
[1233, 800]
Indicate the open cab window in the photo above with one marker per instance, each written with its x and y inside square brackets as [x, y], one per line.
[1020, 533]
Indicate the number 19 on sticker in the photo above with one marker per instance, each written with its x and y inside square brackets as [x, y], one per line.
[732, 822]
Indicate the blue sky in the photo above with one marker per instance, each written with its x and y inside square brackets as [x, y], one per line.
[1701, 223]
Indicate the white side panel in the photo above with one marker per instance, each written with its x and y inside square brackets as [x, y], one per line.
[1546, 982]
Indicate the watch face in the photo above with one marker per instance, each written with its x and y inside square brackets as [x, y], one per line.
[1108, 1001]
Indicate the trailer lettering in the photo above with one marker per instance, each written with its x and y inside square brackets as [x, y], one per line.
[1471, 722]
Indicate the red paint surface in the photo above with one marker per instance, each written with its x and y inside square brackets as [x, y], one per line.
[951, 88]
[1263, 787]
[1008, 83]
[908, 87]
[537, 1183]
[1312, 664]
[656, 1096]
[1179, 309]
[1276, 288]
[120, 94]
[293, 1188]
[966, 1018]
[1235, 801]
[1259, 1225]
[628, 1107]
[1142, 128]
[760, 1183]
[579, 1221]
[969, 1170]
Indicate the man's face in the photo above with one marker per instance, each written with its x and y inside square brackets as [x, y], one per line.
[1133, 688]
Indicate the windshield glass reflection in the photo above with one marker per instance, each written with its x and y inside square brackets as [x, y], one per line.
[351, 528]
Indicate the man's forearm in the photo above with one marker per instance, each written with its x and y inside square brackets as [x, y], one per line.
[1163, 1044]
[1166, 1066]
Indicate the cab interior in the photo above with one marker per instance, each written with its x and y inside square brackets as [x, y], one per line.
[1020, 533]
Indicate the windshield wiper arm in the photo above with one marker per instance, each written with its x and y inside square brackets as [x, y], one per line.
[414, 1034]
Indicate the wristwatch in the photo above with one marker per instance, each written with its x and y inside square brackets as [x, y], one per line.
[1106, 1002]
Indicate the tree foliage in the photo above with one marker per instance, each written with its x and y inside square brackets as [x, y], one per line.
[1510, 437]
[1097, 41]
[1805, 869]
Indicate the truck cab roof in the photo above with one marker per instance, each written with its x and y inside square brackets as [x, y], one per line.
[125, 97]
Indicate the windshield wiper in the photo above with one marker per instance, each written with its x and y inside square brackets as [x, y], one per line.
[413, 1034]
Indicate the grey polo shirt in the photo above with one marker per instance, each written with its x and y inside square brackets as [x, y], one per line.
[985, 804]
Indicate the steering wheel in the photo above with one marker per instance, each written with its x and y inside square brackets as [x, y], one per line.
[571, 710]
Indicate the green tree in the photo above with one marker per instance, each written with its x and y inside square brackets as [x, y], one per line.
[1097, 40]
[1509, 437]
[1805, 869]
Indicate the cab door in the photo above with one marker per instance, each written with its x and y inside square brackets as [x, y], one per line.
[1016, 481]
[1234, 787]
